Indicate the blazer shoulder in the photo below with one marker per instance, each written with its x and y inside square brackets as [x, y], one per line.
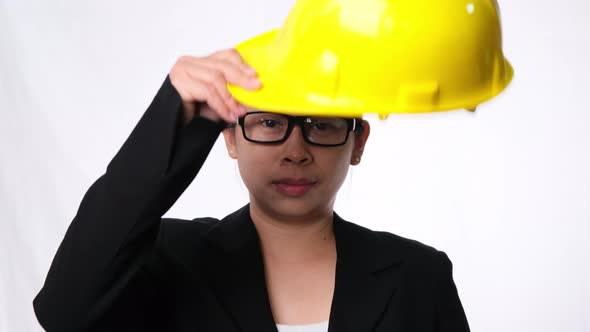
[183, 235]
[389, 248]
[197, 224]
[412, 252]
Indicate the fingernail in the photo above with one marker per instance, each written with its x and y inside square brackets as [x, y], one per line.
[250, 70]
[254, 83]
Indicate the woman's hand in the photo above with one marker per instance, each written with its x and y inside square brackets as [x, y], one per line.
[201, 83]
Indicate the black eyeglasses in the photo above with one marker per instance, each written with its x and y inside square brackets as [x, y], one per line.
[264, 127]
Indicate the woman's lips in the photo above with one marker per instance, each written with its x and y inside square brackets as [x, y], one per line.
[294, 187]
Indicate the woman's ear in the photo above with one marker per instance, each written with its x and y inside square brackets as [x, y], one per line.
[229, 135]
[360, 139]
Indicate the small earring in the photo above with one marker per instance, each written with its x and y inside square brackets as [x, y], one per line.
[357, 159]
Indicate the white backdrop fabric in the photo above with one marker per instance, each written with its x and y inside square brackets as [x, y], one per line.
[504, 191]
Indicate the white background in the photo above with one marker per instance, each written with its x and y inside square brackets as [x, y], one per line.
[504, 191]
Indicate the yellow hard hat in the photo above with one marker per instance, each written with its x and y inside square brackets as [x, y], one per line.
[351, 57]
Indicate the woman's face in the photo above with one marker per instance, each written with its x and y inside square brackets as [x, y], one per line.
[294, 179]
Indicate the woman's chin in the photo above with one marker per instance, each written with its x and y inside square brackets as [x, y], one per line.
[299, 208]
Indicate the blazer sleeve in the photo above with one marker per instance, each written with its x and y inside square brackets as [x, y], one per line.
[114, 230]
[450, 314]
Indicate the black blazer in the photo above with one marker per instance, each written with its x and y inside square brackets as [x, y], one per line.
[121, 267]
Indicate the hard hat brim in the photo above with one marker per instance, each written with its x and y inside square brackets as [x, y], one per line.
[281, 94]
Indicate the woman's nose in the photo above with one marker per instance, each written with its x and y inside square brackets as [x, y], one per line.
[296, 149]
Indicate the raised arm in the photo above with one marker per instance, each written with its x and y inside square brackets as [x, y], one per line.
[115, 228]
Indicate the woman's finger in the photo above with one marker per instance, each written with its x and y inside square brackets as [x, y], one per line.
[200, 90]
[233, 73]
[233, 56]
[217, 80]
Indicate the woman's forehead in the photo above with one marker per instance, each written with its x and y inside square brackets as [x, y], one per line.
[292, 114]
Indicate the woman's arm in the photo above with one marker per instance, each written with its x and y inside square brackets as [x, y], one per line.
[117, 222]
[97, 274]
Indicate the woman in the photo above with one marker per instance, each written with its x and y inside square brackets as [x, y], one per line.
[283, 261]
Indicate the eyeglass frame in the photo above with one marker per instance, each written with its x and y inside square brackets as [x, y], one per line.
[297, 120]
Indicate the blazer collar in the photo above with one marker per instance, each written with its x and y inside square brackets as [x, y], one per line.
[367, 275]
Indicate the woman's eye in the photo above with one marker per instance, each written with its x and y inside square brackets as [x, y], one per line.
[322, 126]
[269, 123]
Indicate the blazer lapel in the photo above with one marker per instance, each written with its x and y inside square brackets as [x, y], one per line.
[237, 273]
[367, 277]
